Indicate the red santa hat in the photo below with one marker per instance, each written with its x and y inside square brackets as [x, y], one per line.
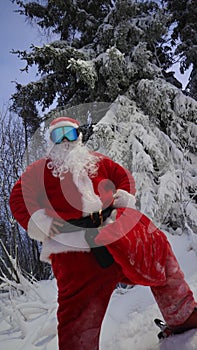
[63, 121]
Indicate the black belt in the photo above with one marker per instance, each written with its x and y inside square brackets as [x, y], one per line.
[91, 221]
[90, 224]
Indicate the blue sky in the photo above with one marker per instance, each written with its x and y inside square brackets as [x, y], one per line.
[15, 34]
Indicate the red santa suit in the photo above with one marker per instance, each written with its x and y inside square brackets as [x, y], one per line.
[141, 252]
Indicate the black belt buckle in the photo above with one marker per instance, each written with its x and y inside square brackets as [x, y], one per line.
[97, 217]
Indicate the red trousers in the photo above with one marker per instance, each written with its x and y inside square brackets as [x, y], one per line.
[84, 288]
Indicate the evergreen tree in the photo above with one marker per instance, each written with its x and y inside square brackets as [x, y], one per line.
[103, 47]
[151, 131]
[184, 38]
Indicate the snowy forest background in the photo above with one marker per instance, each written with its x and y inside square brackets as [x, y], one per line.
[110, 62]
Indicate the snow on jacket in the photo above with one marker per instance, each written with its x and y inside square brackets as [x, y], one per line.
[38, 197]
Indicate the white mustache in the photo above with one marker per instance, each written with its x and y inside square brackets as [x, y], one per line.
[73, 157]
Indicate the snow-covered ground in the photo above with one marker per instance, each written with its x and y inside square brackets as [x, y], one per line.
[28, 321]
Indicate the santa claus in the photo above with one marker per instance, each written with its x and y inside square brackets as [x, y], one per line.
[81, 206]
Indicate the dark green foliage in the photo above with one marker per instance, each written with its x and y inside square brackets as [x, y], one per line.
[98, 55]
[67, 18]
[184, 36]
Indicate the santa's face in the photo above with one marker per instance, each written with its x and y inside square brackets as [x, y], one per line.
[71, 156]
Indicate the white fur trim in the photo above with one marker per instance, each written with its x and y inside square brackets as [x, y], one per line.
[124, 199]
[39, 225]
[90, 200]
[63, 243]
[63, 123]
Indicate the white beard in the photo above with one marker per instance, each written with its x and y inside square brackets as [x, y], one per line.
[77, 159]
[71, 156]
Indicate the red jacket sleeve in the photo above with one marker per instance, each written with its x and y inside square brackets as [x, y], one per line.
[24, 198]
[121, 177]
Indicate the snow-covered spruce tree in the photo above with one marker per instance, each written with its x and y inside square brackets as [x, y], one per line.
[184, 38]
[95, 57]
[151, 130]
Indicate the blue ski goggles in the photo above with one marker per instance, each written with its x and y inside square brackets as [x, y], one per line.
[64, 132]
